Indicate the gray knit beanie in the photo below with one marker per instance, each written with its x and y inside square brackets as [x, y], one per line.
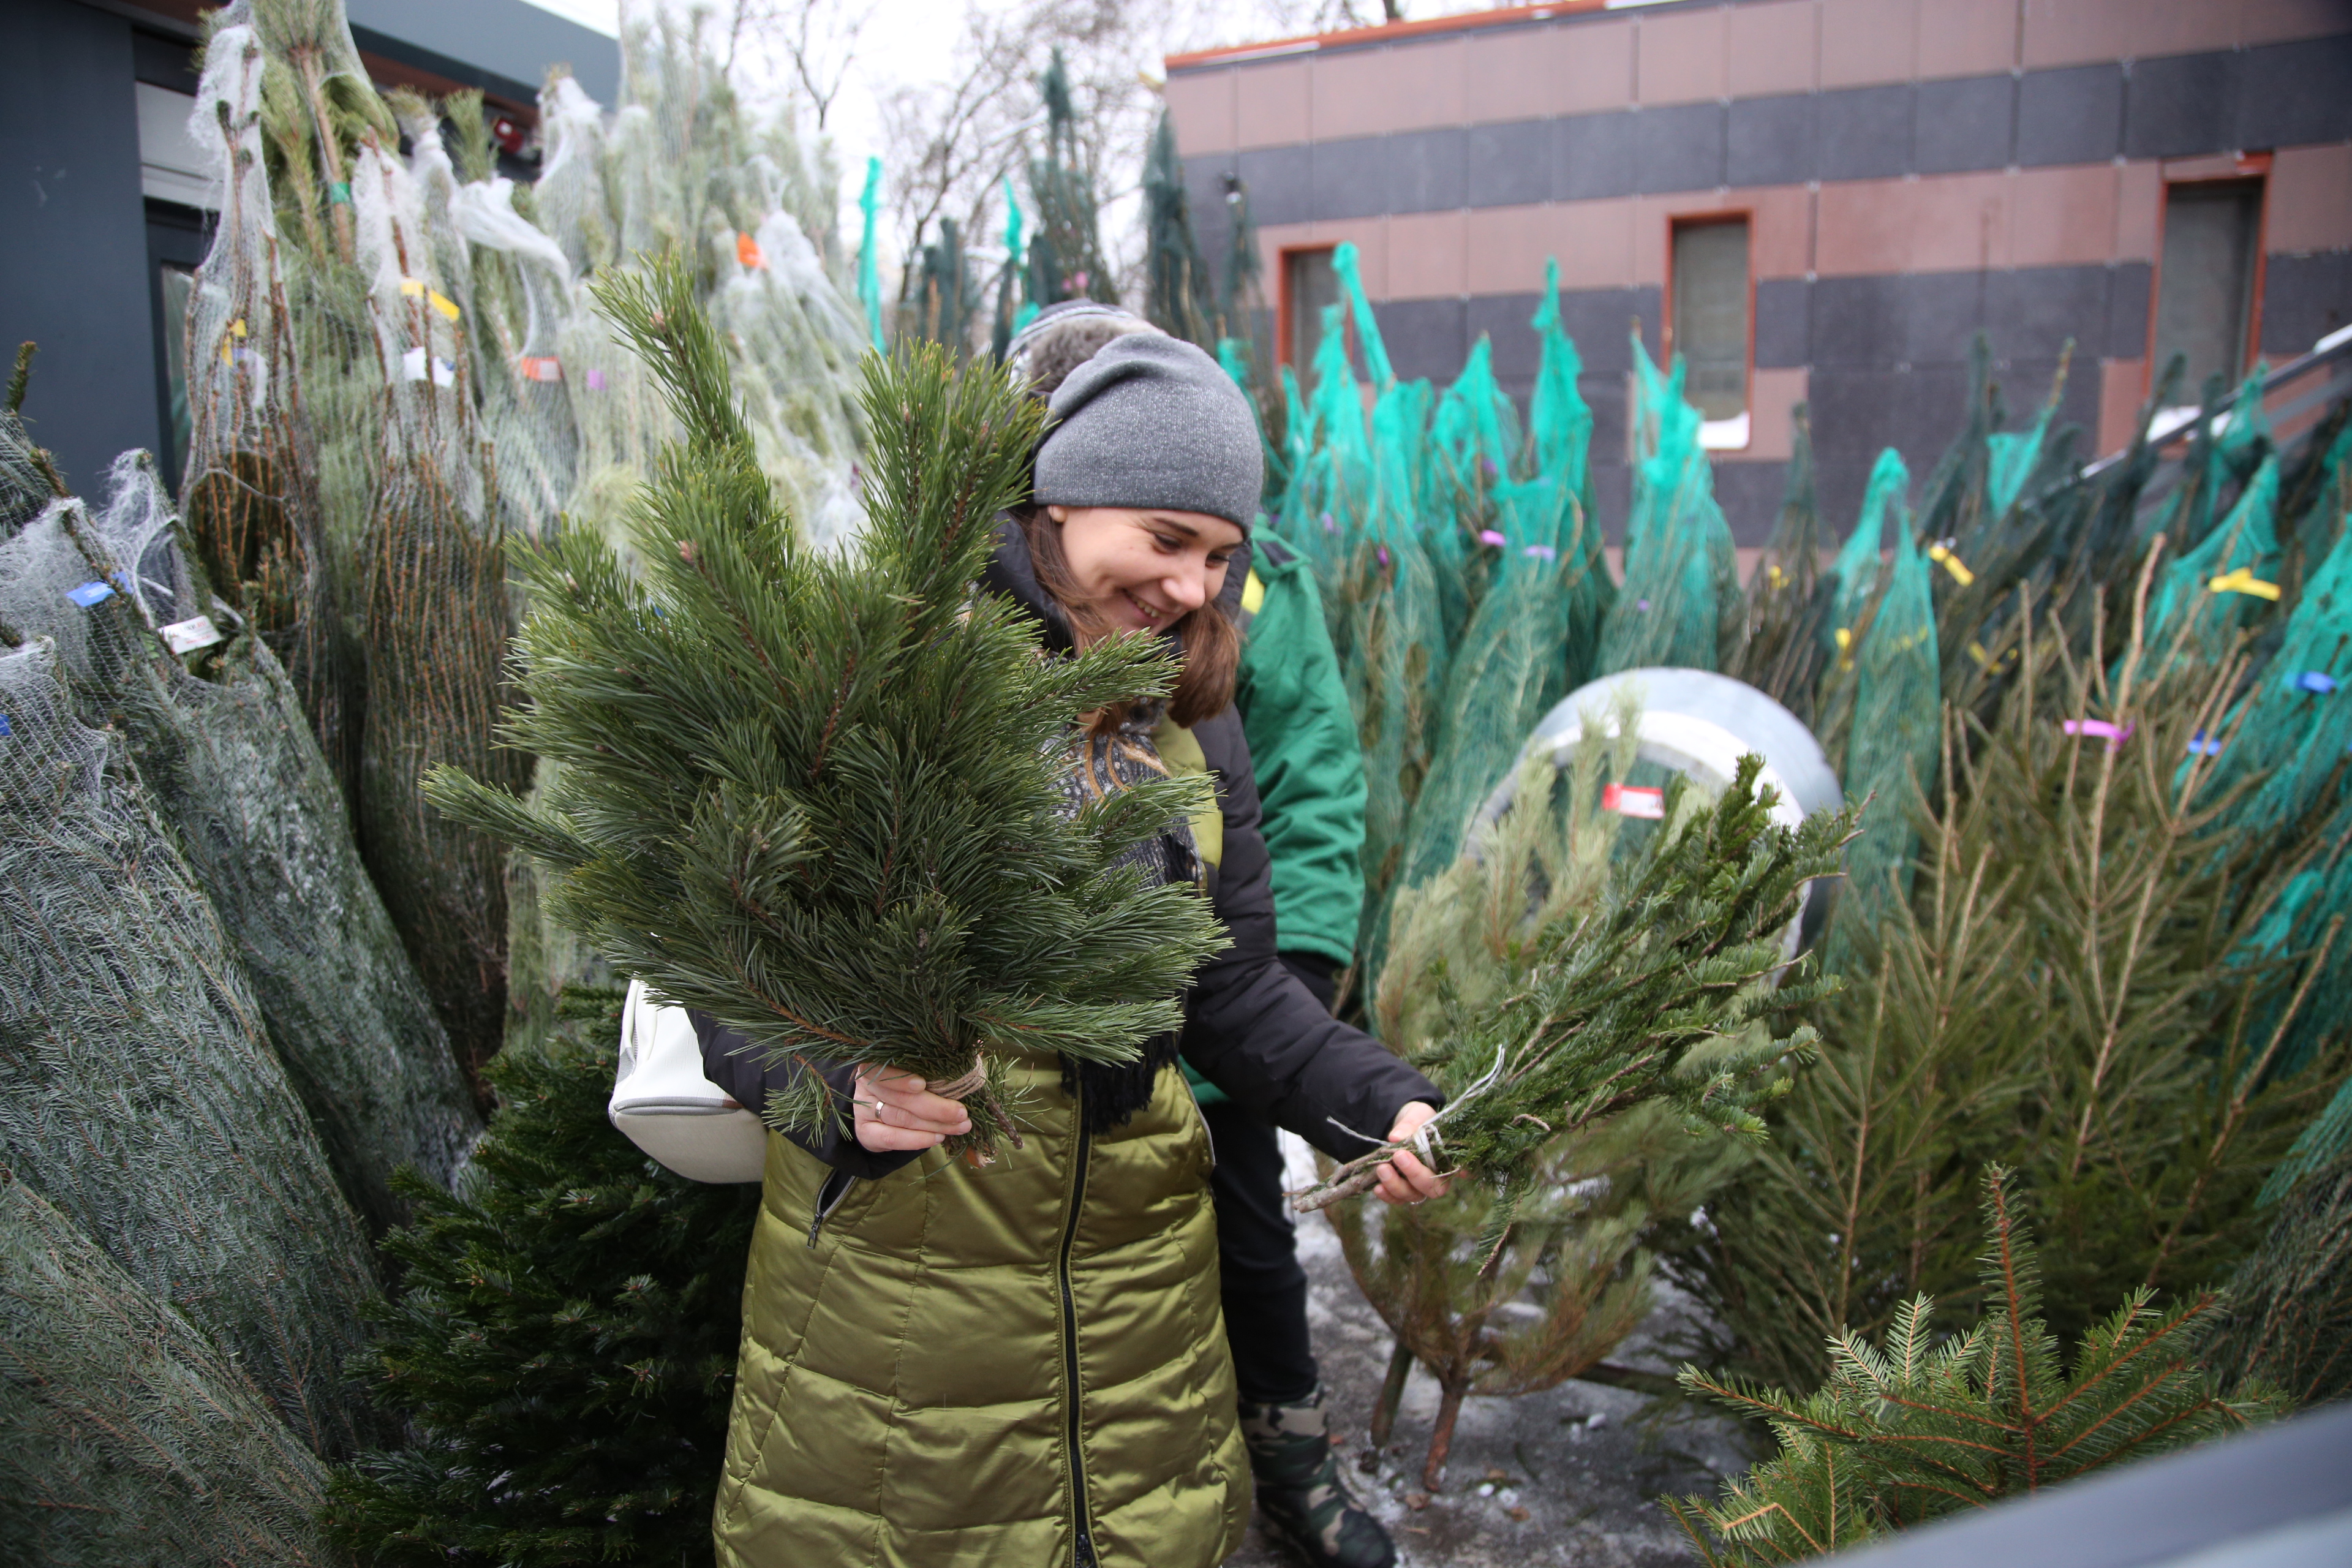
[1152, 421]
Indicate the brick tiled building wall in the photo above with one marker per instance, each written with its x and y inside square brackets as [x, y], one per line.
[1910, 170]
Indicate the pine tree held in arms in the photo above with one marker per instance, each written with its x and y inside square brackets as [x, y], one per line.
[1925, 1426]
[815, 794]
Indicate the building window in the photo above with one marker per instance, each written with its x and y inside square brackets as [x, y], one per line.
[1709, 291]
[1309, 285]
[2205, 282]
[177, 238]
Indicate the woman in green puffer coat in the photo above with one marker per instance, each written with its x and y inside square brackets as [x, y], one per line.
[1020, 1364]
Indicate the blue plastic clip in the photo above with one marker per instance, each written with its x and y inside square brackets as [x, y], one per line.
[91, 592]
[2198, 746]
[2318, 682]
[5, 728]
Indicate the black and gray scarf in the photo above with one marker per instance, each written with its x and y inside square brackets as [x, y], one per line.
[1100, 762]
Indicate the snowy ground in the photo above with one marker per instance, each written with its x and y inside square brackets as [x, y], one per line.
[1567, 1478]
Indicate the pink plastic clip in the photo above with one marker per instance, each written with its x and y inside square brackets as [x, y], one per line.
[1492, 536]
[2112, 734]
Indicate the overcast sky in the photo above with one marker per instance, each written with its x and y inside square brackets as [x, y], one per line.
[912, 41]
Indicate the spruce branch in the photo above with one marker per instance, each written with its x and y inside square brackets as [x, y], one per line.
[1665, 986]
[1915, 1428]
[817, 795]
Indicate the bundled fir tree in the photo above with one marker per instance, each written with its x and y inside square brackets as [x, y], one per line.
[1065, 259]
[127, 1435]
[2290, 1322]
[564, 1345]
[1658, 981]
[1927, 1424]
[1514, 1284]
[816, 795]
[1180, 295]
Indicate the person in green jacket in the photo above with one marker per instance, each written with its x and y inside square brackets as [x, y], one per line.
[1311, 775]
[1016, 1364]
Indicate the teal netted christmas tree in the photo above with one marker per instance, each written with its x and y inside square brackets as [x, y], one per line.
[1681, 579]
[1897, 719]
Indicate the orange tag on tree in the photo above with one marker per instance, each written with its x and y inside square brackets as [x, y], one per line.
[747, 251]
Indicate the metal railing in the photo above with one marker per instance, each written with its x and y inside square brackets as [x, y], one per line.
[2297, 396]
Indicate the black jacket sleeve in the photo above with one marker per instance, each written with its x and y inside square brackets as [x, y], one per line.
[730, 1061]
[1251, 1028]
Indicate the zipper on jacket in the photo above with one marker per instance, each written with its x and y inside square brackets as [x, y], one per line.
[828, 1198]
[1085, 1555]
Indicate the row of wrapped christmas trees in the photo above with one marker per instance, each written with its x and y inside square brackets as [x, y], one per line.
[2091, 930]
[252, 982]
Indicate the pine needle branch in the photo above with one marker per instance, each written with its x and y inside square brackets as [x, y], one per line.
[818, 796]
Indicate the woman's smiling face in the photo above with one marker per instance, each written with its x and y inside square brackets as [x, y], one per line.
[1145, 570]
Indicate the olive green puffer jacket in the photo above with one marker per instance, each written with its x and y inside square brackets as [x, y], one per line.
[965, 1363]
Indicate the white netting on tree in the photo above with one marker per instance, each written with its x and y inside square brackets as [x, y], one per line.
[222, 748]
[138, 1090]
[435, 615]
[125, 1435]
[251, 489]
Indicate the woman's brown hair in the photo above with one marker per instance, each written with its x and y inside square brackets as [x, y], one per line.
[1212, 649]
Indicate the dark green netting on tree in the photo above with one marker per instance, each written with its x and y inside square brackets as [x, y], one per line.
[2290, 1322]
[127, 1436]
[562, 1352]
[1460, 565]
[1782, 647]
[2288, 745]
[138, 1089]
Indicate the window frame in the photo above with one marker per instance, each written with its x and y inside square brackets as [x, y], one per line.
[2245, 166]
[1704, 218]
[1283, 310]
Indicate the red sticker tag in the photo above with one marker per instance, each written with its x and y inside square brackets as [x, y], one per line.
[542, 368]
[1632, 800]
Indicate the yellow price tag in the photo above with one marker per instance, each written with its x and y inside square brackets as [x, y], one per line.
[414, 288]
[1941, 554]
[2243, 581]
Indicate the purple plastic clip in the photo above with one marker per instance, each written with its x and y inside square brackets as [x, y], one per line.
[92, 594]
[1540, 552]
[2112, 734]
[2318, 682]
[1491, 536]
[595, 380]
[1328, 526]
[1383, 553]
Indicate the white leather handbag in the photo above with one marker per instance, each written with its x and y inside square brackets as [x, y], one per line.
[663, 1103]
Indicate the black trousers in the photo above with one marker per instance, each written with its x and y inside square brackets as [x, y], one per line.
[1265, 1289]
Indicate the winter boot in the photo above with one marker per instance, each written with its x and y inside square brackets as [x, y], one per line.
[1300, 1489]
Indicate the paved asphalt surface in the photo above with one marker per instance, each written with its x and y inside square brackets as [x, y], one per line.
[1582, 1463]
